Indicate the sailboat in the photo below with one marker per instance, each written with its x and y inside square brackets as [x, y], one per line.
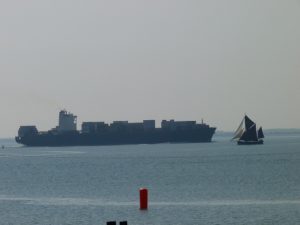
[246, 133]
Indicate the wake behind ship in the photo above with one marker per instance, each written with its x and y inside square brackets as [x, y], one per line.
[116, 133]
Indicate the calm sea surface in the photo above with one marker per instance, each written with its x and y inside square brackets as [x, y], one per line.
[189, 184]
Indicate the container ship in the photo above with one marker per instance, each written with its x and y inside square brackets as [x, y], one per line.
[116, 133]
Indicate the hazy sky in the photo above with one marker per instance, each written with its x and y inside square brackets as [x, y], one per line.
[159, 59]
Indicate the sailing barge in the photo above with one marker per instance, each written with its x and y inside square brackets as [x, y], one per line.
[246, 133]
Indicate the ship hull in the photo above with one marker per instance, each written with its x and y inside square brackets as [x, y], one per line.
[118, 138]
[259, 142]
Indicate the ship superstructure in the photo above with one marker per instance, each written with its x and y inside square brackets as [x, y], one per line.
[66, 122]
[116, 133]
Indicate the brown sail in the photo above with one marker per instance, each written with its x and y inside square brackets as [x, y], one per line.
[260, 133]
[247, 134]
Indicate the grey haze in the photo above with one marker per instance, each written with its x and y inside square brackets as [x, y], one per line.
[137, 59]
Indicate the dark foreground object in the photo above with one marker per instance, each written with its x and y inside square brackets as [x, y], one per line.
[116, 133]
[111, 223]
[259, 142]
[115, 223]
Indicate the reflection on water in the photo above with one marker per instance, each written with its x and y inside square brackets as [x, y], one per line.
[101, 202]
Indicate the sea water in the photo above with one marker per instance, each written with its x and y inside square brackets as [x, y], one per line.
[190, 184]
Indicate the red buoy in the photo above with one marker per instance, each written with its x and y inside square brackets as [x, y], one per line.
[143, 199]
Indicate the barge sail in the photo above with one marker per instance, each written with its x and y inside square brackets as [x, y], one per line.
[246, 133]
[116, 133]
